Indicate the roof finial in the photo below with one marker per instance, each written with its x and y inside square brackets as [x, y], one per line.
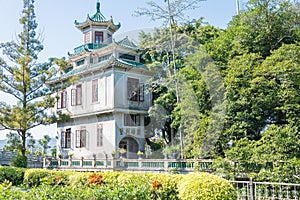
[98, 6]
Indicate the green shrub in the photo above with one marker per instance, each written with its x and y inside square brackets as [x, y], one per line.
[9, 192]
[79, 179]
[168, 188]
[203, 186]
[35, 177]
[123, 185]
[19, 161]
[13, 174]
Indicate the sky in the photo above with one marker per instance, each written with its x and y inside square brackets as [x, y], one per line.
[59, 35]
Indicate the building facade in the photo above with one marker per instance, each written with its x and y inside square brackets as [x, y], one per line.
[108, 101]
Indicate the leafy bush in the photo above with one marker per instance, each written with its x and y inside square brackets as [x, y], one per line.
[12, 174]
[9, 192]
[95, 179]
[19, 161]
[119, 185]
[79, 179]
[164, 186]
[203, 186]
[35, 177]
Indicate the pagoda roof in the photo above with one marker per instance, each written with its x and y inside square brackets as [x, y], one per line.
[125, 42]
[97, 19]
[89, 47]
[101, 65]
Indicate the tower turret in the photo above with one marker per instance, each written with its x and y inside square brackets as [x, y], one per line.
[97, 29]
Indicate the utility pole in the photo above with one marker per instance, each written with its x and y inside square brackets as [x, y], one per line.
[171, 23]
[237, 6]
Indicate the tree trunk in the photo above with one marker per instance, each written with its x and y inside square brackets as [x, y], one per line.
[23, 136]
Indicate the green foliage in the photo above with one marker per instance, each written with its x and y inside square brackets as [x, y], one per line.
[287, 172]
[36, 177]
[168, 188]
[202, 186]
[44, 143]
[25, 80]
[14, 142]
[9, 192]
[12, 174]
[45, 184]
[19, 161]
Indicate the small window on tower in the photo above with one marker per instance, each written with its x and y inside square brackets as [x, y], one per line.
[109, 38]
[80, 62]
[98, 37]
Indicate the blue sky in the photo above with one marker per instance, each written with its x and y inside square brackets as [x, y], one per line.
[56, 24]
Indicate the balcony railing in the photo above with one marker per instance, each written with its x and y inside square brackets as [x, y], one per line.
[111, 164]
[81, 48]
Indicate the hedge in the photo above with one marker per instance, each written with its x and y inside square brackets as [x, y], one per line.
[203, 186]
[126, 185]
[12, 174]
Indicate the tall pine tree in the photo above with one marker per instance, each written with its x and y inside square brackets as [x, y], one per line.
[22, 78]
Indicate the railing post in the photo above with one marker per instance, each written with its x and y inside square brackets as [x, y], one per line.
[70, 161]
[166, 164]
[251, 188]
[59, 162]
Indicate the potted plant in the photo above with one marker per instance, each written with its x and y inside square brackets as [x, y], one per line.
[71, 154]
[167, 151]
[59, 155]
[113, 154]
[140, 154]
[122, 151]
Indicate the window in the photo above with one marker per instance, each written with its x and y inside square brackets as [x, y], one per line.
[95, 90]
[127, 56]
[98, 37]
[80, 62]
[109, 38]
[132, 120]
[66, 138]
[62, 100]
[76, 96]
[141, 92]
[91, 60]
[103, 58]
[81, 138]
[87, 37]
[99, 135]
[135, 90]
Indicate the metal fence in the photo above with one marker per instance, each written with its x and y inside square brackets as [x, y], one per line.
[250, 190]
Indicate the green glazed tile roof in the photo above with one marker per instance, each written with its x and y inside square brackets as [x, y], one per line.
[130, 63]
[98, 17]
[127, 43]
[87, 47]
[112, 60]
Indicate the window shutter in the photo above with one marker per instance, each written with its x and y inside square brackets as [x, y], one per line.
[78, 95]
[82, 138]
[73, 97]
[63, 139]
[100, 135]
[78, 139]
[64, 99]
[68, 138]
[141, 92]
[95, 90]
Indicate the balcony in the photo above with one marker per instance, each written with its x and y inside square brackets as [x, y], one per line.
[88, 46]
